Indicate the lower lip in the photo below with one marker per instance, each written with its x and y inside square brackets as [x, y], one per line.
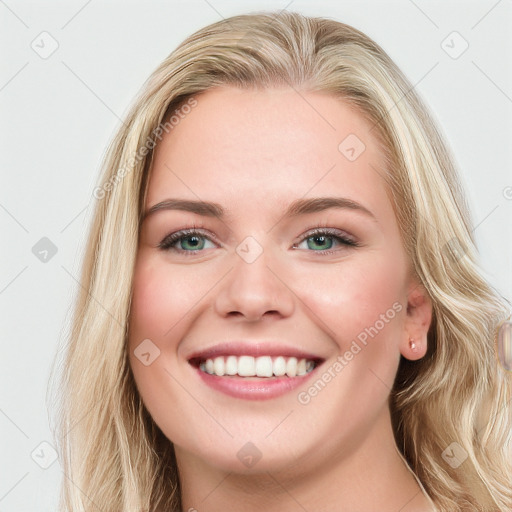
[260, 389]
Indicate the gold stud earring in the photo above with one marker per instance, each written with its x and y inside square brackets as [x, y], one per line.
[412, 344]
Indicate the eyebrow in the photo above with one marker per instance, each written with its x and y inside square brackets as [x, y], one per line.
[296, 208]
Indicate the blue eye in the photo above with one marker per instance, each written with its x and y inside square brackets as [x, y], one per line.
[323, 239]
[192, 241]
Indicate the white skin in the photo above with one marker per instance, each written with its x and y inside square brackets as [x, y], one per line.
[255, 152]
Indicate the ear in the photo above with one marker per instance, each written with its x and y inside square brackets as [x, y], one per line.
[413, 345]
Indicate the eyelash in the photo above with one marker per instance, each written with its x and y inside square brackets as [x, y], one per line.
[171, 239]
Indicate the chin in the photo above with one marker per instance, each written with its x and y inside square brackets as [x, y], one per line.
[246, 457]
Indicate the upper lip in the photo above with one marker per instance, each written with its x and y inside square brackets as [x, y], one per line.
[252, 348]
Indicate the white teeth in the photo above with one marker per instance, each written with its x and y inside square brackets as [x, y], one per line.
[231, 365]
[279, 366]
[291, 367]
[218, 366]
[246, 366]
[301, 367]
[264, 366]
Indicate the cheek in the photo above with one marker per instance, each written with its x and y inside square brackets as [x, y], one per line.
[358, 297]
[360, 306]
[161, 300]
[150, 294]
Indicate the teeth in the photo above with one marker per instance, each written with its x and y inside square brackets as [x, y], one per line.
[218, 366]
[246, 366]
[264, 366]
[291, 367]
[231, 365]
[279, 366]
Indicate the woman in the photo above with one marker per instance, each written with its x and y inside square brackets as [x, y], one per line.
[282, 304]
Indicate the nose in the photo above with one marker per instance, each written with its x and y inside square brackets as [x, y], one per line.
[254, 289]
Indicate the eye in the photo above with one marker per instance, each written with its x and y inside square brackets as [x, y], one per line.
[192, 241]
[321, 240]
[189, 241]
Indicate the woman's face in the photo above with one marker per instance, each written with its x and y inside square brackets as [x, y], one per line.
[255, 287]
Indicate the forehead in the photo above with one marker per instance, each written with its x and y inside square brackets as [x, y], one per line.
[251, 148]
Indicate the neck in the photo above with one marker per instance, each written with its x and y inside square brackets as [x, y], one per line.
[374, 476]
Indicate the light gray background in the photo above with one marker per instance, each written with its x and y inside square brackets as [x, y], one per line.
[59, 112]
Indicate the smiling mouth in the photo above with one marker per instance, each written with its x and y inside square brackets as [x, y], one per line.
[248, 367]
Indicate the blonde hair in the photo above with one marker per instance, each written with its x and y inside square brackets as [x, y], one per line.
[113, 455]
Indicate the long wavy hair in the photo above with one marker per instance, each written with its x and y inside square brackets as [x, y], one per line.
[114, 457]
